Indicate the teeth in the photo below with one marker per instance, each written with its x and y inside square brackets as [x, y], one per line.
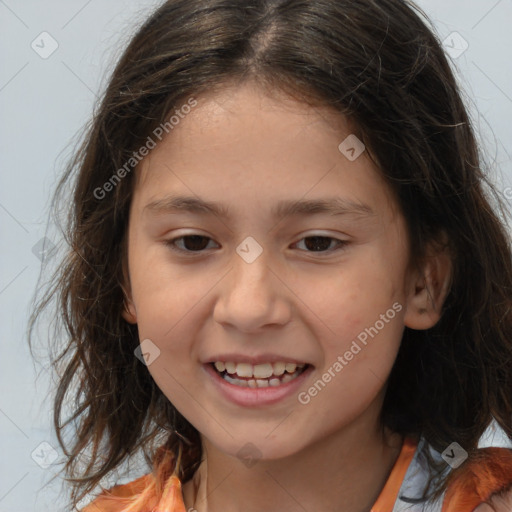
[244, 370]
[279, 368]
[287, 378]
[219, 365]
[230, 367]
[259, 371]
[231, 380]
[259, 375]
[263, 371]
[290, 367]
[259, 383]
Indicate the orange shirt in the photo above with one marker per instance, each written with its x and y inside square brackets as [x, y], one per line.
[485, 474]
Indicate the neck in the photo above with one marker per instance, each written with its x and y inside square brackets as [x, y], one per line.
[344, 472]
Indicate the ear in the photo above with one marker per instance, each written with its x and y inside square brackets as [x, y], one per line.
[428, 288]
[129, 312]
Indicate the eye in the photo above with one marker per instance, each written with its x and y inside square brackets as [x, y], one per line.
[323, 244]
[200, 243]
[189, 243]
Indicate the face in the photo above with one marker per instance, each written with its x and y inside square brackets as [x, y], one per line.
[268, 271]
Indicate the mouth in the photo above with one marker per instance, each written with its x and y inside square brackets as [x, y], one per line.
[264, 375]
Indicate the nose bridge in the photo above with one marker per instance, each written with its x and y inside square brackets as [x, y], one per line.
[251, 297]
[251, 274]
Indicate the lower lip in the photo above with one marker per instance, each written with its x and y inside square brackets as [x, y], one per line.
[251, 397]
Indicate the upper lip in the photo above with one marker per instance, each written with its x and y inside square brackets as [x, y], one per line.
[254, 359]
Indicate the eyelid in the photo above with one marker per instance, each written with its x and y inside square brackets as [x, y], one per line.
[341, 243]
[171, 243]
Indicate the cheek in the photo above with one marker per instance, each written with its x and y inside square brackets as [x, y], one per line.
[164, 296]
[359, 317]
[353, 297]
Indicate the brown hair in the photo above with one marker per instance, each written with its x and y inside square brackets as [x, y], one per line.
[375, 61]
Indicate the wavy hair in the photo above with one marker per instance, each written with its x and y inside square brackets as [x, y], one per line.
[378, 62]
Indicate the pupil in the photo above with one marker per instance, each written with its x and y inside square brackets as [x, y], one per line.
[193, 242]
[317, 243]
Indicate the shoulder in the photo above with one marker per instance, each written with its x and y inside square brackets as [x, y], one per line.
[116, 498]
[144, 494]
[486, 477]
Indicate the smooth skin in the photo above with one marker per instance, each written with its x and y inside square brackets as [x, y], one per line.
[247, 151]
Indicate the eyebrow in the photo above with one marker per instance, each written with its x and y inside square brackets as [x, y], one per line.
[189, 204]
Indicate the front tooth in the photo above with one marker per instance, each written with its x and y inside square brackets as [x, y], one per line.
[279, 368]
[219, 365]
[252, 383]
[262, 383]
[244, 370]
[291, 367]
[274, 382]
[263, 371]
[230, 367]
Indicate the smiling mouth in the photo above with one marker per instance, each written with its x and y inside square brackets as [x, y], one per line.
[260, 375]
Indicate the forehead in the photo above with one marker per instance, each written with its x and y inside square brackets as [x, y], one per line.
[260, 110]
[271, 148]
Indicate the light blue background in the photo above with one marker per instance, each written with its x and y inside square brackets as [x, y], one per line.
[44, 102]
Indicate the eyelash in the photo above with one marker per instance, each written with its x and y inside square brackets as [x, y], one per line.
[341, 244]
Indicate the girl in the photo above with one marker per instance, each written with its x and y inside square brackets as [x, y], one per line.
[285, 284]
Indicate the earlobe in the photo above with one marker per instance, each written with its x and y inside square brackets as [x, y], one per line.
[429, 289]
[129, 312]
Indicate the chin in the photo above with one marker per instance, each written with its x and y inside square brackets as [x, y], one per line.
[253, 448]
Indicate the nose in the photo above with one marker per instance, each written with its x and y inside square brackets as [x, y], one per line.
[252, 296]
